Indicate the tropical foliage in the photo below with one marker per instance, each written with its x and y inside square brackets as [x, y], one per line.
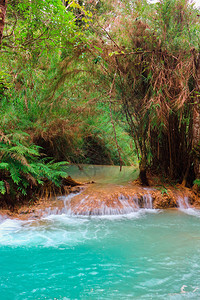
[99, 82]
[151, 59]
[22, 170]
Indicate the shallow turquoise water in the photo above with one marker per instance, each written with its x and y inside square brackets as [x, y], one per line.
[103, 174]
[145, 255]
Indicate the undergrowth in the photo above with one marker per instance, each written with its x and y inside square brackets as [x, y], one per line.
[23, 172]
[63, 123]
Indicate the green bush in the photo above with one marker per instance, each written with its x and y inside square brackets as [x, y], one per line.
[22, 168]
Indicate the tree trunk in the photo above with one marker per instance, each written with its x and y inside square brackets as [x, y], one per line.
[143, 172]
[196, 120]
[3, 6]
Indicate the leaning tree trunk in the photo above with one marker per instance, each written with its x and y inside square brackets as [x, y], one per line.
[196, 120]
[3, 6]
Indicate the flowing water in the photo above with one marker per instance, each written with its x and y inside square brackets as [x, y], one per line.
[144, 254]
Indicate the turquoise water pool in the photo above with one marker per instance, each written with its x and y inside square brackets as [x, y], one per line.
[147, 254]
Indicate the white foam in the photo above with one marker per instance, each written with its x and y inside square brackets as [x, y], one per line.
[132, 215]
[191, 211]
[56, 230]
[10, 225]
[185, 207]
[44, 236]
[65, 219]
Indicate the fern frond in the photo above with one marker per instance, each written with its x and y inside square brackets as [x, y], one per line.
[2, 187]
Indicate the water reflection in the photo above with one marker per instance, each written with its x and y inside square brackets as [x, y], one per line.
[103, 174]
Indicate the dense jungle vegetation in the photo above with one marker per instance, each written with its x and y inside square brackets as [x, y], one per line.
[100, 81]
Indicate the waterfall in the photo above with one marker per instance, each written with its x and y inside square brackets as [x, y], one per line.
[184, 206]
[101, 204]
[183, 202]
[113, 206]
[148, 201]
[118, 206]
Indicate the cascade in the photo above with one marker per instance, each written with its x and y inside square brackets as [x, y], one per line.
[183, 205]
[183, 202]
[120, 205]
[148, 201]
[111, 194]
[101, 204]
[112, 205]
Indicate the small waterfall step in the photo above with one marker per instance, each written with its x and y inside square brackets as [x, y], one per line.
[183, 202]
[108, 204]
[118, 200]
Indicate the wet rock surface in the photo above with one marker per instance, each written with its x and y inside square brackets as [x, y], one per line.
[127, 199]
[95, 199]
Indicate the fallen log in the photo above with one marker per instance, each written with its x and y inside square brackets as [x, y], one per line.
[70, 182]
